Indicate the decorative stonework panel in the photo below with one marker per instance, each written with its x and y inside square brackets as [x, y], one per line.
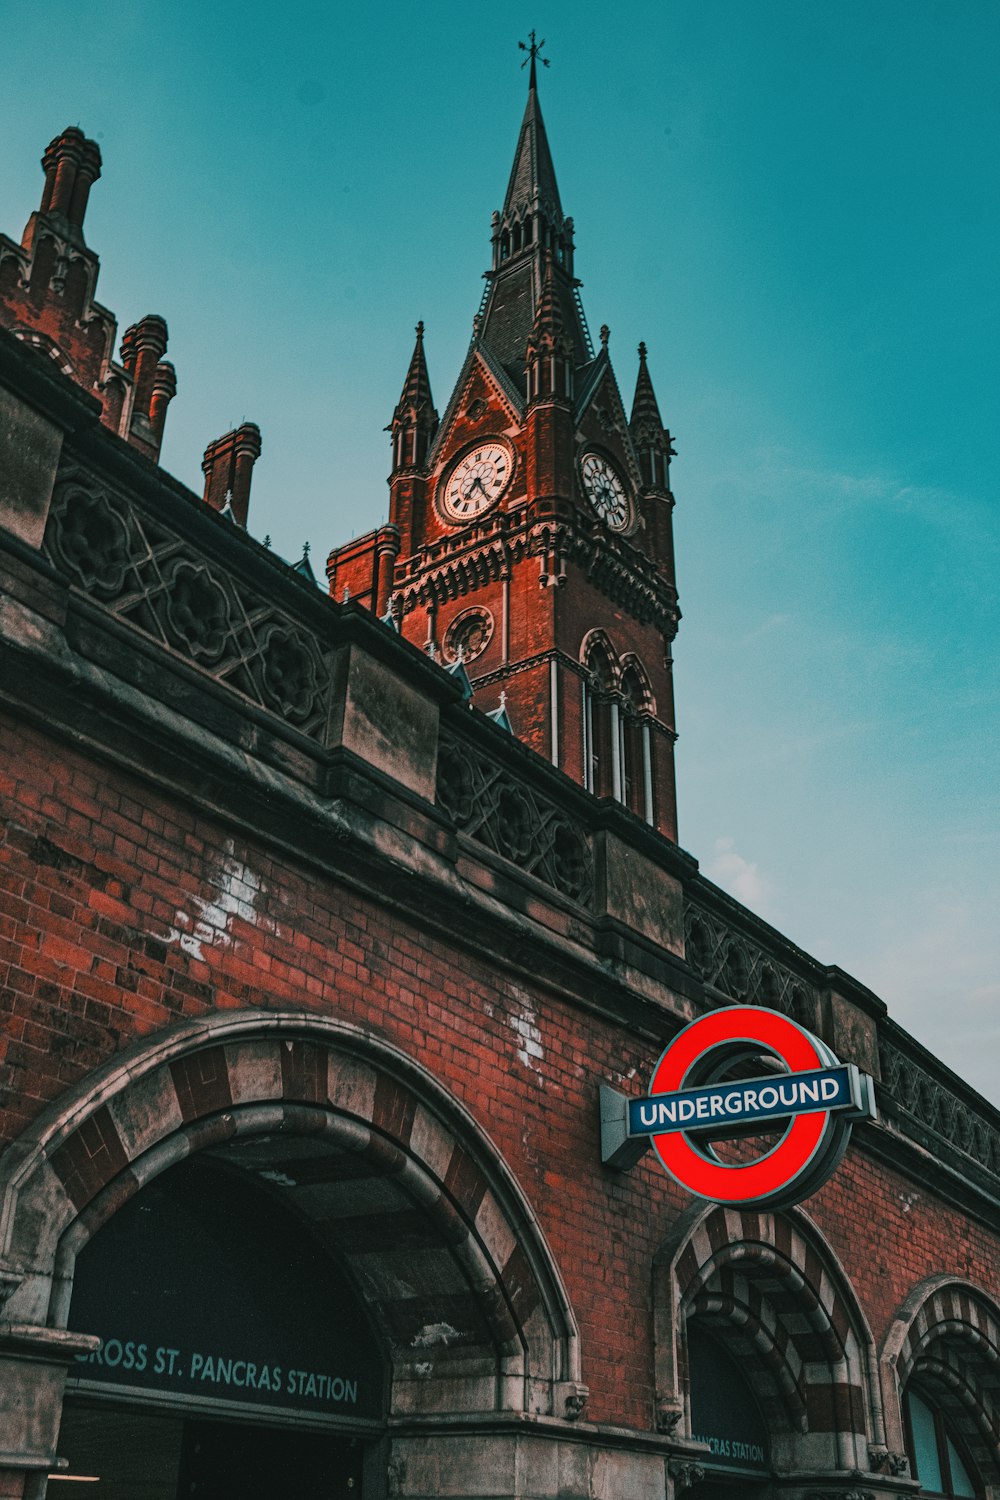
[934, 1105]
[730, 961]
[511, 818]
[150, 578]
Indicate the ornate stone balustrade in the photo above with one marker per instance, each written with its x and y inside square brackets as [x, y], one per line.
[490, 803]
[732, 961]
[933, 1103]
[156, 581]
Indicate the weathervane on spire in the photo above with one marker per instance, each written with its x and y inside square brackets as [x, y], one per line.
[533, 51]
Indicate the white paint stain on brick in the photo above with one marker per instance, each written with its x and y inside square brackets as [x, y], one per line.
[206, 922]
[435, 1333]
[523, 1019]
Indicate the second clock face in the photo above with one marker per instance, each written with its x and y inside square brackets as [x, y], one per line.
[605, 489]
[477, 481]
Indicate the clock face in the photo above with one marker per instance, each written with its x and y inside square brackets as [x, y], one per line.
[477, 481]
[605, 489]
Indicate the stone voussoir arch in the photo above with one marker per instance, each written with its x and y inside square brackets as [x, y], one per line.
[774, 1287]
[947, 1335]
[242, 1081]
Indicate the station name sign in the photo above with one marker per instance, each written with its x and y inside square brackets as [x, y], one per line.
[748, 1102]
[700, 1094]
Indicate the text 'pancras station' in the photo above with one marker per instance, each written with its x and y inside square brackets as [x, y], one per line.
[220, 1370]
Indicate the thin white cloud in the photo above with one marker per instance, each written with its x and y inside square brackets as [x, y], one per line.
[772, 623]
[741, 877]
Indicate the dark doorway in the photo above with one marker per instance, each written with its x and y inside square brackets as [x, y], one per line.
[121, 1453]
[223, 1461]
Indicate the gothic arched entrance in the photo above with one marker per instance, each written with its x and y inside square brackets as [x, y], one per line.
[408, 1212]
[236, 1358]
[756, 1305]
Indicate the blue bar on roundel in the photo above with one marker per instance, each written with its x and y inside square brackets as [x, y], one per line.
[747, 1101]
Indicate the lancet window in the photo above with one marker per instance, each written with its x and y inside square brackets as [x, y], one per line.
[617, 715]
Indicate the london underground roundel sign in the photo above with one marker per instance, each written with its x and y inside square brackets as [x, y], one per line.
[694, 1099]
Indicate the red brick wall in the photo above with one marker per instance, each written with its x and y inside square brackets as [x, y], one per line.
[121, 911]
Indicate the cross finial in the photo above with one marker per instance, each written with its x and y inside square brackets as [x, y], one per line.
[534, 51]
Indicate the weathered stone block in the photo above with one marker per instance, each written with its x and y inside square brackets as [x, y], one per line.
[29, 455]
[33, 1365]
[851, 1033]
[639, 892]
[387, 722]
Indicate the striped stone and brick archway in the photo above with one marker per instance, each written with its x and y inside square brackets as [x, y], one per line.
[946, 1338]
[773, 1291]
[360, 1141]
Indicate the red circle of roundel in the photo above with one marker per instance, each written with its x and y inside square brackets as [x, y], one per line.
[798, 1147]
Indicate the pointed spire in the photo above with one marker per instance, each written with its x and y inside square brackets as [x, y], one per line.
[651, 439]
[645, 411]
[414, 420]
[417, 386]
[531, 225]
[532, 185]
[533, 177]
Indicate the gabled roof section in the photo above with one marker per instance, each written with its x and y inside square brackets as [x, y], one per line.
[602, 391]
[507, 392]
[304, 567]
[588, 379]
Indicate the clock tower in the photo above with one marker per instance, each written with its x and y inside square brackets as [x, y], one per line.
[530, 532]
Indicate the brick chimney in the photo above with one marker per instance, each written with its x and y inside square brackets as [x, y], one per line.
[72, 165]
[228, 467]
[154, 382]
[164, 391]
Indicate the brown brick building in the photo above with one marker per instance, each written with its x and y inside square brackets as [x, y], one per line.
[312, 972]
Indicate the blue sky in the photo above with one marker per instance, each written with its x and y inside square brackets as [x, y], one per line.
[795, 205]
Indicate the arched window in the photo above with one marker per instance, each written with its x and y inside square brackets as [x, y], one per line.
[617, 713]
[937, 1456]
[601, 763]
[943, 1350]
[637, 770]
